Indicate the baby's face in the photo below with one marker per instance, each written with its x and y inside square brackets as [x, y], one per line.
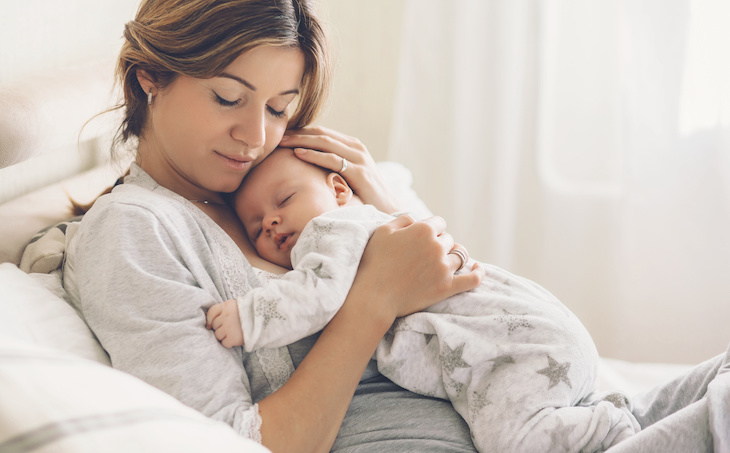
[276, 201]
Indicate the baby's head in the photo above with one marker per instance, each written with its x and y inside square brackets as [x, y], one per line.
[280, 195]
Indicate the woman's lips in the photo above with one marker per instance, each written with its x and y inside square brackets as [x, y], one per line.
[237, 163]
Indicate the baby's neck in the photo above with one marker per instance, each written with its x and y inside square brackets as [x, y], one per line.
[354, 201]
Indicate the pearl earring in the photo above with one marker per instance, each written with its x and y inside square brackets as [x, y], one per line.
[149, 98]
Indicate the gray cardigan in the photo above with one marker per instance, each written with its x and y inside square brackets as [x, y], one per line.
[143, 267]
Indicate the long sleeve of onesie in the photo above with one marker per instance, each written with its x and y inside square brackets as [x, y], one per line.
[303, 300]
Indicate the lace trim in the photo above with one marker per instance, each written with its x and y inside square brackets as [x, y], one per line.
[265, 276]
[241, 277]
[236, 270]
[276, 365]
[251, 424]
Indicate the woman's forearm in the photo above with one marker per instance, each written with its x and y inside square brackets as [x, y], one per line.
[306, 413]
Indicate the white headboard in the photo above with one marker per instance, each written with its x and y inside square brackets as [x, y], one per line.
[41, 121]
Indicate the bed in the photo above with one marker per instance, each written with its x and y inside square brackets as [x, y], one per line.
[59, 392]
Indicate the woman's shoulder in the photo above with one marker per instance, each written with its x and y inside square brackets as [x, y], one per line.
[140, 196]
[143, 213]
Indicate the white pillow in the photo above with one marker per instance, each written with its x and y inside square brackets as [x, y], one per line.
[33, 309]
[54, 402]
[400, 181]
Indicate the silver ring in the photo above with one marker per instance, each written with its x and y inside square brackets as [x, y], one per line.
[462, 257]
[344, 165]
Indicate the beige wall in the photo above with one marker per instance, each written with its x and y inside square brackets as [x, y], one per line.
[366, 37]
[45, 35]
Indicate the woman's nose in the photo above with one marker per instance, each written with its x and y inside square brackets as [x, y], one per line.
[251, 128]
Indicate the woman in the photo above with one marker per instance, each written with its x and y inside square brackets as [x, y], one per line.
[210, 87]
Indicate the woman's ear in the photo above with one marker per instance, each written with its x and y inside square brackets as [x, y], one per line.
[146, 82]
[343, 193]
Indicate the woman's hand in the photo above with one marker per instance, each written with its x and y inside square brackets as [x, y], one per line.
[327, 148]
[407, 265]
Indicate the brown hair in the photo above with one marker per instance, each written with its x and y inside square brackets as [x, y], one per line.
[200, 38]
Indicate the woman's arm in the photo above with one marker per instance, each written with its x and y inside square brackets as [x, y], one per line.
[404, 269]
[327, 148]
[125, 252]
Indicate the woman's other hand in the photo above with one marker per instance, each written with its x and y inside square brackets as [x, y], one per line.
[327, 148]
[407, 266]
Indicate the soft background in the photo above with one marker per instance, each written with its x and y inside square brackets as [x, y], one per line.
[584, 144]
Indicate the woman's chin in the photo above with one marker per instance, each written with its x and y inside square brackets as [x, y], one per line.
[227, 185]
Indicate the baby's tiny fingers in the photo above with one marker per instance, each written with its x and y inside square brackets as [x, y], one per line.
[220, 335]
[209, 317]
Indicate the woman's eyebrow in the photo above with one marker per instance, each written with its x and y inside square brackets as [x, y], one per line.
[251, 87]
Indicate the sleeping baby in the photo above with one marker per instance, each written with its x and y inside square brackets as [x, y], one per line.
[516, 364]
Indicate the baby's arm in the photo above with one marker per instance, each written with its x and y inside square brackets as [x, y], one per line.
[302, 301]
[224, 320]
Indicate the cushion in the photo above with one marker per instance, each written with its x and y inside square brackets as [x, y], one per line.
[44, 253]
[33, 309]
[54, 402]
[25, 216]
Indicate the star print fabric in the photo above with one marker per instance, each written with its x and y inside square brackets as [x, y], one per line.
[516, 364]
[302, 301]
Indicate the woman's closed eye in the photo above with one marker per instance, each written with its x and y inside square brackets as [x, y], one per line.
[225, 102]
[276, 113]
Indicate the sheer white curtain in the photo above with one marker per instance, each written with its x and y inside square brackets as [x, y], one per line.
[583, 144]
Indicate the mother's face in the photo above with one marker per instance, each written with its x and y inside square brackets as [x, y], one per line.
[206, 134]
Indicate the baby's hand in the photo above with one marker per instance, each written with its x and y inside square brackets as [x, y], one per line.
[224, 320]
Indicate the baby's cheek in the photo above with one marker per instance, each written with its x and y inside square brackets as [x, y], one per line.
[269, 252]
